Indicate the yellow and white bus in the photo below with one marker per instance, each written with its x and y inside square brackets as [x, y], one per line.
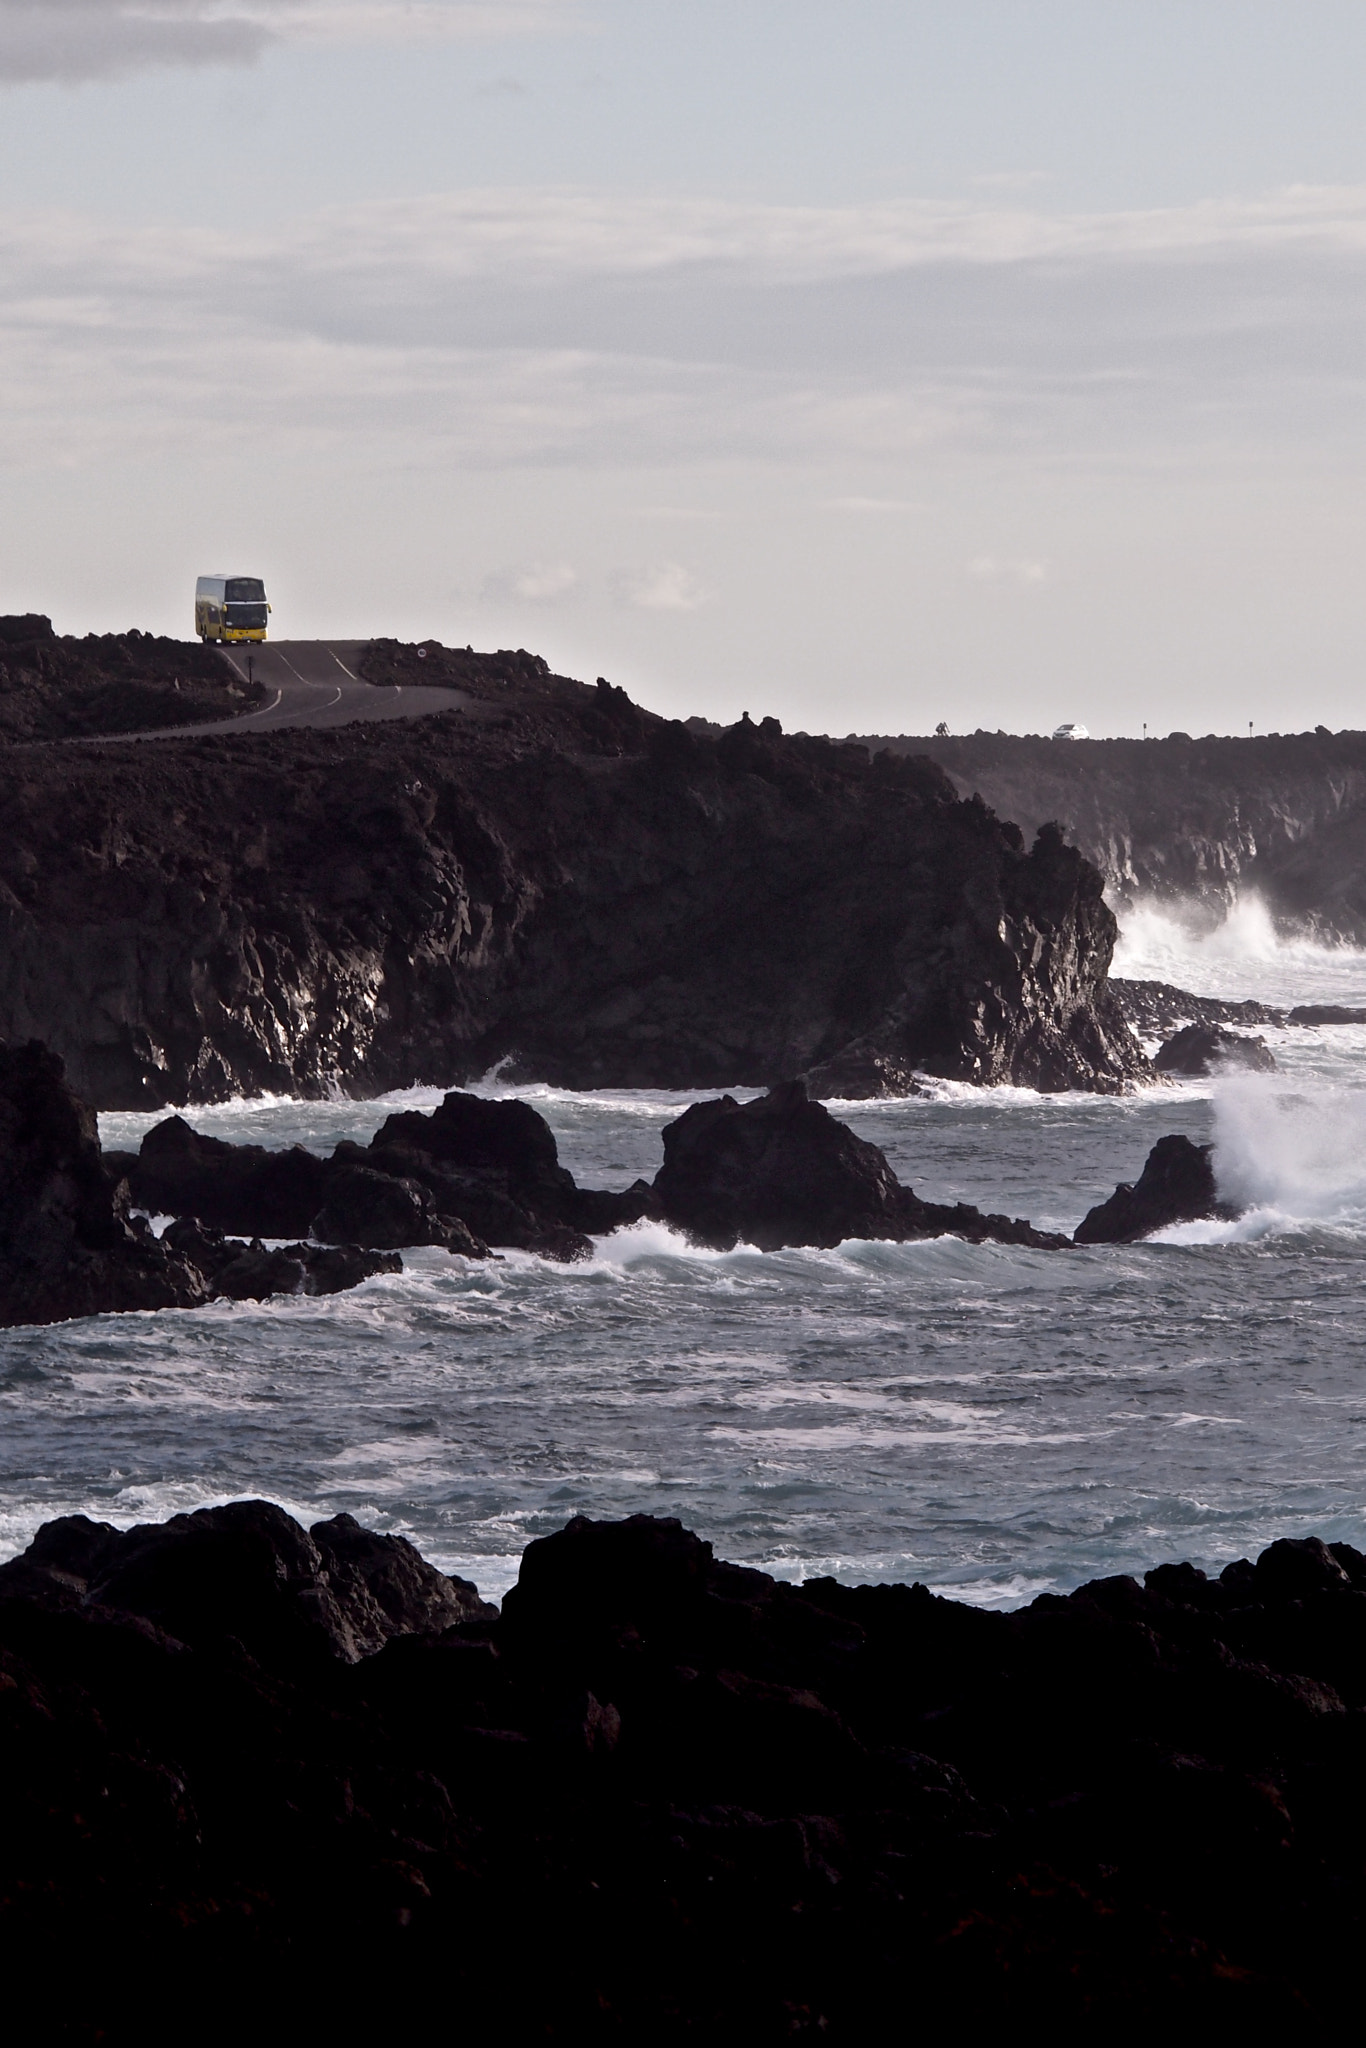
[230, 608]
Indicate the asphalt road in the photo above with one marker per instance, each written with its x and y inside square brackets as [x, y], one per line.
[317, 682]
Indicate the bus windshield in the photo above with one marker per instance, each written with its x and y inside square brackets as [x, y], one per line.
[245, 590]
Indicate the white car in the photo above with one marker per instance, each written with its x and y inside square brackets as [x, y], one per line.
[1071, 732]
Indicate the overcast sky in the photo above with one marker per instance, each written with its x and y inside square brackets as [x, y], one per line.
[869, 362]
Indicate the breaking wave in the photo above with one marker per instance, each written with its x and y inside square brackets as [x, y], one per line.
[1244, 956]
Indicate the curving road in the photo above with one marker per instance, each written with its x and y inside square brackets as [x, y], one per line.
[316, 682]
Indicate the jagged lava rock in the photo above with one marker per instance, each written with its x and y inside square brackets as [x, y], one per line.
[664, 1797]
[1177, 1185]
[495, 1163]
[1203, 1049]
[67, 1247]
[782, 1171]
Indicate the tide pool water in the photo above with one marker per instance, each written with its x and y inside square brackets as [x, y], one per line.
[994, 1422]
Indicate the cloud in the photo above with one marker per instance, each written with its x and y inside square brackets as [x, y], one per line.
[876, 505]
[74, 41]
[1011, 181]
[660, 587]
[492, 329]
[537, 583]
[992, 569]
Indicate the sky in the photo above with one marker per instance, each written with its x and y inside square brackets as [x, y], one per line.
[865, 363]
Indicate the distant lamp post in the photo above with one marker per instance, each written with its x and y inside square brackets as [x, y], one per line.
[1249, 728]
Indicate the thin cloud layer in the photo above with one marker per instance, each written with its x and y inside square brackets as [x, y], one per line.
[579, 329]
[73, 41]
[536, 583]
[660, 587]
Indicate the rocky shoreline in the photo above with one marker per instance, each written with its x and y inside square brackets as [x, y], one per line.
[471, 1175]
[286, 1778]
[566, 884]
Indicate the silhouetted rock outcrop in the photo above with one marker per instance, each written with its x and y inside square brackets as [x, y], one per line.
[1325, 1013]
[663, 1797]
[247, 1571]
[68, 1244]
[249, 1272]
[264, 1191]
[363, 1206]
[1177, 1185]
[1156, 1009]
[1203, 1049]
[782, 1171]
[566, 883]
[470, 1173]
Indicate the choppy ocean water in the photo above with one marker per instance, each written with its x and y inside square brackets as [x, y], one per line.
[995, 1422]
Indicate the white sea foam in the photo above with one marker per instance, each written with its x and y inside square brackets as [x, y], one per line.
[1243, 956]
[1296, 1152]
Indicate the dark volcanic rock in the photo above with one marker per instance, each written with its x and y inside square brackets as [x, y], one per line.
[860, 1074]
[67, 1247]
[1177, 1185]
[1206, 1049]
[566, 882]
[365, 1207]
[782, 1171]
[1156, 1009]
[470, 1173]
[495, 1164]
[54, 686]
[1325, 1013]
[181, 1172]
[667, 1798]
[249, 1272]
[248, 1570]
[1180, 822]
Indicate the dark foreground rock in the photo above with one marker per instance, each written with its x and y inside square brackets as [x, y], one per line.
[565, 882]
[1177, 1185]
[1204, 1049]
[782, 1171]
[298, 1785]
[69, 1244]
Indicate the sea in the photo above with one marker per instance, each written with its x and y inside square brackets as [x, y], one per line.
[993, 1422]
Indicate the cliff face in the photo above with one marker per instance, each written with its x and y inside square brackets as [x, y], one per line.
[1200, 819]
[564, 882]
